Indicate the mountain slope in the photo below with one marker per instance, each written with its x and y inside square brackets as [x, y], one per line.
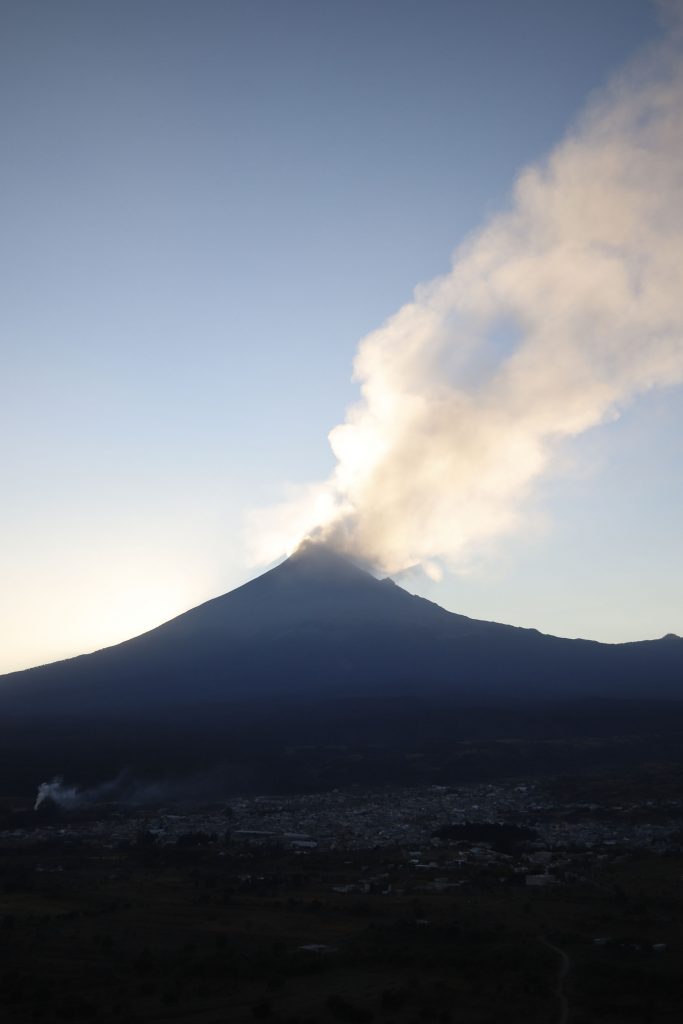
[317, 626]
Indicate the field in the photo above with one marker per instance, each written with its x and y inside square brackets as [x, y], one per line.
[209, 929]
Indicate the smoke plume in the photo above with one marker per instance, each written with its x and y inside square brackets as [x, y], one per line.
[554, 316]
[69, 798]
[127, 790]
[57, 793]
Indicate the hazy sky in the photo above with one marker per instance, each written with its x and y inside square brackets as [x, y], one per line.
[204, 207]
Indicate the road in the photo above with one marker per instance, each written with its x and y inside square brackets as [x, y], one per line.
[563, 969]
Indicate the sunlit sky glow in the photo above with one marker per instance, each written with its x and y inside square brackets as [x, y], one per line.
[204, 208]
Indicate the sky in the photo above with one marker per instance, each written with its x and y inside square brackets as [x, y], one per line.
[205, 207]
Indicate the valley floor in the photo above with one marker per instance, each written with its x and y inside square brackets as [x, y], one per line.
[513, 901]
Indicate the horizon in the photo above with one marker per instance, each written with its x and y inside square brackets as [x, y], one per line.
[210, 216]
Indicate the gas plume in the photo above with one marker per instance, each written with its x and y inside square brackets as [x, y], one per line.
[554, 316]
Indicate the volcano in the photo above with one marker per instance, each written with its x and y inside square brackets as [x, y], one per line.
[319, 626]
[280, 660]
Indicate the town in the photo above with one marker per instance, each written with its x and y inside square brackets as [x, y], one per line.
[360, 904]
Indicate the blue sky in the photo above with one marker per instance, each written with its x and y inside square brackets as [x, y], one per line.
[205, 207]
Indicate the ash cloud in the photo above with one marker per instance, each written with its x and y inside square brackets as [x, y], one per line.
[555, 315]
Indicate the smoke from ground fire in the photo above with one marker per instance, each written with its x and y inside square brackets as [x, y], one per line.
[554, 316]
[68, 798]
[127, 790]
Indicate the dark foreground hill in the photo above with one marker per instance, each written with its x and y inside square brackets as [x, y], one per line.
[318, 653]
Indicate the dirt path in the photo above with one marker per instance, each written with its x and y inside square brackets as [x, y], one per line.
[563, 969]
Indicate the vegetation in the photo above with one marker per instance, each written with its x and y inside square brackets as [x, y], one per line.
[208, 930]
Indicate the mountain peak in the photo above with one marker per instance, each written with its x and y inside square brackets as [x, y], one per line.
[320, 625]
[315, 559]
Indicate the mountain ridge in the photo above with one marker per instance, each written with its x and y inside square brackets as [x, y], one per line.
[315, 674]
[318, 624]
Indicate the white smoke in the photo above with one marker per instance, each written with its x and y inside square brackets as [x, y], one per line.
[126, 790]
[55, 791]
[553, 317]
[71, 797]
